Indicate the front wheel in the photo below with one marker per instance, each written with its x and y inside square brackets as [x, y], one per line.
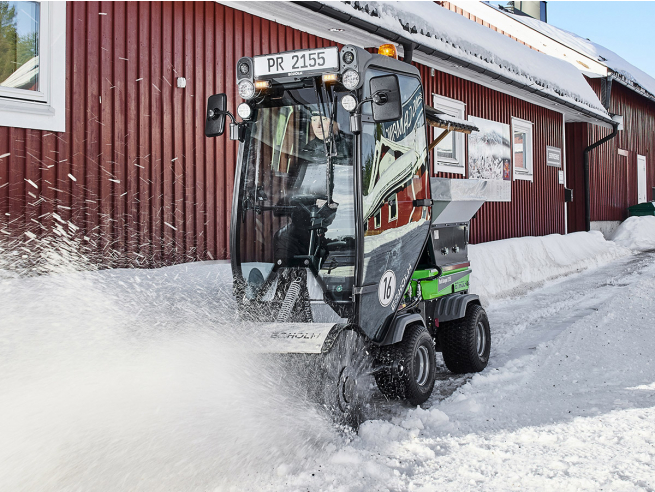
[466, 342]
[410, 367]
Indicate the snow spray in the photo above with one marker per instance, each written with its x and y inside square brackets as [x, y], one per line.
[132, 380]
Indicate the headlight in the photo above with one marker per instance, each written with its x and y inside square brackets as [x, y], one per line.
[350, 79]
[244, 68]
[244, 110]
[348, 57]
[349, 103]
[246, 89]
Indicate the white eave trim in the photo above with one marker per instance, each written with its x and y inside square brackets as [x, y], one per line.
[534, 38]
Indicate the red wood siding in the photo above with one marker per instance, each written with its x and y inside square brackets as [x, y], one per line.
[149, 187]
[537, 208]
[612, 177]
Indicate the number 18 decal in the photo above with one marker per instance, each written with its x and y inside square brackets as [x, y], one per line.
[386, 288]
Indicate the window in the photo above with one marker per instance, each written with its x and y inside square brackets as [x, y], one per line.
[393, 207]
[449, 153]
[33, 65]
[522, 149]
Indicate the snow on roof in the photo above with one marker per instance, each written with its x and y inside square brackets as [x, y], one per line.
[432, 25]
[627, 73]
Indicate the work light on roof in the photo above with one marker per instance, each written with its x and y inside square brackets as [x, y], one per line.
[246, 89]
[350, 79]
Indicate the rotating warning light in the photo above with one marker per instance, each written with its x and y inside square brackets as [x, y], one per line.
[388, 50]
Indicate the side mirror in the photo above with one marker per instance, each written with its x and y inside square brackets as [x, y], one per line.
[216, 112]
[385, 95]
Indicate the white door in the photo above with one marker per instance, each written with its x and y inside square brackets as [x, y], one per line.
[641, 178]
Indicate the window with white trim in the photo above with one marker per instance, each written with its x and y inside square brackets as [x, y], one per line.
[377, 219]
[33, 65]
[522, 156]
[393, 207]
[449, 153]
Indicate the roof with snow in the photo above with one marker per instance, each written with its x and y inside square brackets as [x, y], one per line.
[486, 56]
[622, 70]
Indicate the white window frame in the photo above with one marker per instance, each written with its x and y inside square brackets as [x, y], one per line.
[44, 109]
[456, 109]
[393, 200]
[525, 126]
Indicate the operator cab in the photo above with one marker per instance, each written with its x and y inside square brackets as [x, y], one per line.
[332, 163]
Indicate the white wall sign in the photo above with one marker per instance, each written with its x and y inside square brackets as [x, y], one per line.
[553, 156]
[560, 177]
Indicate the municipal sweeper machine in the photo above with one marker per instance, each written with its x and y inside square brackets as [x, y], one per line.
[343, 244]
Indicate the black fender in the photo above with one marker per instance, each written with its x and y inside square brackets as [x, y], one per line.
[397, 328]
[451, 307]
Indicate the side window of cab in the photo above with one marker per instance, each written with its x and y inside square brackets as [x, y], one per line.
[394, 162]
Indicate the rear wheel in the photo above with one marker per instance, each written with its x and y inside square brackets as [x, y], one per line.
[466, 343]
[409, 372]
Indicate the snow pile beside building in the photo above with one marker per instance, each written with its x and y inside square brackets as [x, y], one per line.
[512, 266]
[452, 34]
[636, 233]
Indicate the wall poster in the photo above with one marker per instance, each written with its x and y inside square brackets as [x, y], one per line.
[489, 150]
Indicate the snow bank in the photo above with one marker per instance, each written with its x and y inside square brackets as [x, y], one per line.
[511, 266]
[636, 233]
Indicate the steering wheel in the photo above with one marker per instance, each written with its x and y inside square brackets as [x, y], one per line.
[305, 200]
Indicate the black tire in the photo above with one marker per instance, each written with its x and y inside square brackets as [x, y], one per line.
[466, 343]
[347, 379]
[411, 364]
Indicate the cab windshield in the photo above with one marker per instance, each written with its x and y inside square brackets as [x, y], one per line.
[296, 201]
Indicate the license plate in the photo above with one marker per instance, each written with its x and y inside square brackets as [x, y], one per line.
[297, 62]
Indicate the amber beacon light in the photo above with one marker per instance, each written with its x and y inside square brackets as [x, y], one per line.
[388, 50]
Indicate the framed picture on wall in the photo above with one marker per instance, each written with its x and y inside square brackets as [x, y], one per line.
[489, 150]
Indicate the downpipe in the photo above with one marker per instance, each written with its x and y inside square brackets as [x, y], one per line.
[587, 196]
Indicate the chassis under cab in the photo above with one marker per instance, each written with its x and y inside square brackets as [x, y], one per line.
[342, 244]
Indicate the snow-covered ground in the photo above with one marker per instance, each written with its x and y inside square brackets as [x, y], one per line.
[139, 380]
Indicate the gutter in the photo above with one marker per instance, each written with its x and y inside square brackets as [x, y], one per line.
[413, 45]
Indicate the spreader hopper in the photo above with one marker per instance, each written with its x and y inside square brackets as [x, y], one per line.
[454, 203]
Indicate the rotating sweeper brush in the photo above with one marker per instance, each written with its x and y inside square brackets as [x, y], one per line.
[345, 251]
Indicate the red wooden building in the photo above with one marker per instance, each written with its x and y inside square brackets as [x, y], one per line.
[110, 147]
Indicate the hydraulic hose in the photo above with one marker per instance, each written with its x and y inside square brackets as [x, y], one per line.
[416, 301]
